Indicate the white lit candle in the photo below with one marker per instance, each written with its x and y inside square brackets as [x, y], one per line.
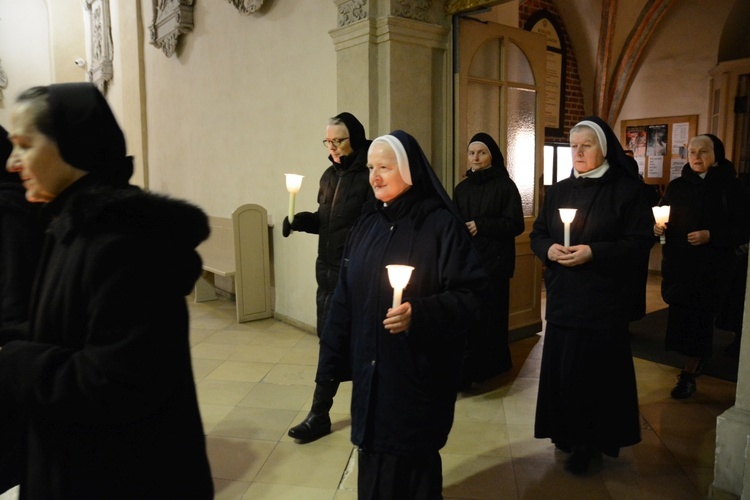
[399, 276]
[567, 215]
[661, 215]
[293, 183]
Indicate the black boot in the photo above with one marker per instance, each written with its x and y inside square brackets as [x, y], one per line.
[580, 459]
[685, 386]
[317, 423]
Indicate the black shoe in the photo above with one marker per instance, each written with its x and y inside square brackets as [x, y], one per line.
[685, 386]
[579, 460]
[311, 428]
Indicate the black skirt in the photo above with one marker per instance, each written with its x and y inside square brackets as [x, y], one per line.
[384, 476]
[587, 389]
[690, 330]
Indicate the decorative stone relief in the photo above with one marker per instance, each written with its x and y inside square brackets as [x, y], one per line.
[351, 11]
[419, 10]
[247, 7]
[101, 56]
[3, 81]
[172, 18]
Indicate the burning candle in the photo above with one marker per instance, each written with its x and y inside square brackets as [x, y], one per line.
[661, 214]
[567, 215]
[399, 276]
[293, 183]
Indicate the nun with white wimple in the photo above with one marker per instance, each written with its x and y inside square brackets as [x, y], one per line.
[405, 361]
[587, 402]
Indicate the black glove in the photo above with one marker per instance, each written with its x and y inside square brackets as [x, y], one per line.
[307, 222]
[286, 228]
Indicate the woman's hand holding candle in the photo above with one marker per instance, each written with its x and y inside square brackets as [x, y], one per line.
[398, 319]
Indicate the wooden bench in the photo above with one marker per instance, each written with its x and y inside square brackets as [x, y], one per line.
[238, 250]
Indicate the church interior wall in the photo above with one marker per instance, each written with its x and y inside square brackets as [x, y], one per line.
[246, 98]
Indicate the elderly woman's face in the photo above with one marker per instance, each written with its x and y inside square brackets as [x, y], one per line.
[37, 159]
[701, 154]
[340, 135]
[479, 156]
[385, 178]
[587, 154]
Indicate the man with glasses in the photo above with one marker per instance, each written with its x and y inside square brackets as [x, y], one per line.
[344, 188]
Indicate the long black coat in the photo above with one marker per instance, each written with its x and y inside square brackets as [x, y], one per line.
[21, 233]
[404, 385]
[491, 199]
[587, 387]
[698, 275]
[344, 189]
[104, 381]
[615, 220]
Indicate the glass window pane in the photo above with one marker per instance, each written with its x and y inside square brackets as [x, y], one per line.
[521, 157]
[564, 162]
[486, 62]
[519, 68]
[549, 165]
[483, 110]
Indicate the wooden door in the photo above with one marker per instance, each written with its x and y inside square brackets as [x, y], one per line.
[500, 89]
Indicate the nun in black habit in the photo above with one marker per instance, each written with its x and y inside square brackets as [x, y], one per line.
[102, 381]
[490, 204]
[709, 220]
[587, 401]
[404, 361]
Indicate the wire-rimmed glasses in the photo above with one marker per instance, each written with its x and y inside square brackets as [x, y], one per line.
[334, 142]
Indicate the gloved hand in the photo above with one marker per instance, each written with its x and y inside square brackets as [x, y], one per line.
[303, 221]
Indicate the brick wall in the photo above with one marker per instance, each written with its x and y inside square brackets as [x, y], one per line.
[573, 95]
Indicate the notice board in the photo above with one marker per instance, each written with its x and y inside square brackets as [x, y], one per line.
[659, 145]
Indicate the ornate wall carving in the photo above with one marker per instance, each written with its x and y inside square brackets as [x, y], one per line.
[419, 10]
[247, 7]
[101, 43]
[172, 18]
[351, 11]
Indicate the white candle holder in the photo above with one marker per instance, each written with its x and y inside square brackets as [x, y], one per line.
[661, 215]
[293, 183]
[567, 215]
[399, 276]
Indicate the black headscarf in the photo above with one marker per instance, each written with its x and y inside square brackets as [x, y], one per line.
[6, 147]
[356, 131]
[87, 133]
[497, 157]
[615, 156]
[720, 154]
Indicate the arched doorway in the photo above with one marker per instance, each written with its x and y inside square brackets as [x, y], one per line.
[499, 91]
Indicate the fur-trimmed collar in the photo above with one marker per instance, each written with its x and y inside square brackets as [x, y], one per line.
[90, 208]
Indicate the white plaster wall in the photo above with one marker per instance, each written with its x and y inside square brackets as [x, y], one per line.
[674, 77]
[244, 100]
[24, 49]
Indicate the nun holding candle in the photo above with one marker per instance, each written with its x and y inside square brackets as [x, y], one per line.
[404, 355]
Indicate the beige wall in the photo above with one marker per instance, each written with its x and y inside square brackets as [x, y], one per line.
[24, 49]
[244, 100]
[674, 78]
